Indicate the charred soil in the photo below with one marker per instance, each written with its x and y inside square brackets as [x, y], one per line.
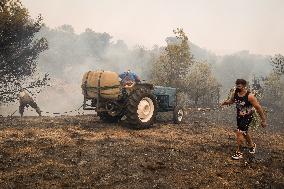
[82, 152]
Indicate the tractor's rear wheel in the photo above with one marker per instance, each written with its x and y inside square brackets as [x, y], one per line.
[105, 117]
[141, 108]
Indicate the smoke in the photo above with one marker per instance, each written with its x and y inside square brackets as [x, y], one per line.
[243, 65]
[70, 55]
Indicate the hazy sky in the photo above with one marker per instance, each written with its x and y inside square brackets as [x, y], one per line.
[221, 26]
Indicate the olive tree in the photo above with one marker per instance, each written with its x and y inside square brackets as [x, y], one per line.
[19, 50]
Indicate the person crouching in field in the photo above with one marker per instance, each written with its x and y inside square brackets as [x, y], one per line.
[25, 101]
[246, 104]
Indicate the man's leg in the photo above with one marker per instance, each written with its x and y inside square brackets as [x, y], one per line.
[249, 140]
[38, 111]
[240, 140]
[21, 109]
[35, 106]
[252, 145]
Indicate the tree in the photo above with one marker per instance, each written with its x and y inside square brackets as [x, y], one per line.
[278, 64]
[201, 85]
[19, 50]
[174, 63]
[273, 91]
[142, 59]
[242, 64]
[274, 83]
[97, 43]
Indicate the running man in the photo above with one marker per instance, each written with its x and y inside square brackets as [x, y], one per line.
[246, 104]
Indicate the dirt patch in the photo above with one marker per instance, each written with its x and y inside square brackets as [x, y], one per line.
[83, 152]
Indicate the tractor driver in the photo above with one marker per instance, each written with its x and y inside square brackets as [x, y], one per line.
[129, 78]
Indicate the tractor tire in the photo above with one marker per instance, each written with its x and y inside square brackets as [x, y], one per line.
[178, 115]
[105, 117]
[141, 108]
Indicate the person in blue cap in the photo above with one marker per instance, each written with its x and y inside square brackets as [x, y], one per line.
[128, 78]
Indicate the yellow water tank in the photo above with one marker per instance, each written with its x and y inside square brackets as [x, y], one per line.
[106, 83]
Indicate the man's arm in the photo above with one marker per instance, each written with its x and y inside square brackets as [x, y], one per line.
[256, 105]
[229, 101]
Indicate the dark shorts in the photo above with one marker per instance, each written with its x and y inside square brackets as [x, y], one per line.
[243, 122]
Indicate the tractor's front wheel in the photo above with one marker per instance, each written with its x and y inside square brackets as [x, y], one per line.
[141, 108]
[178, 114]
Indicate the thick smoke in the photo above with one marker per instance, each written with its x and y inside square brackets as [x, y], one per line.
[70, 55]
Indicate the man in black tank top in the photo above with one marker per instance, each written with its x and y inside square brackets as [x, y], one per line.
[246, 104]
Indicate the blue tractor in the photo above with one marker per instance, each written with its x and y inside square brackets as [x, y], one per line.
[136, 104]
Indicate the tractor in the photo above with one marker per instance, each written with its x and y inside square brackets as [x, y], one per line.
[136, 104]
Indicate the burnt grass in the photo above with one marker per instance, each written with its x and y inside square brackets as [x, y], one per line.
[82, 152]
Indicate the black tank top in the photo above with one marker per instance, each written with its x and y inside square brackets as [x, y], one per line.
[243, 105]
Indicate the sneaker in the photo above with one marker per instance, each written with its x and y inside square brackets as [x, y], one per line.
[252, 149]
[237, 155]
